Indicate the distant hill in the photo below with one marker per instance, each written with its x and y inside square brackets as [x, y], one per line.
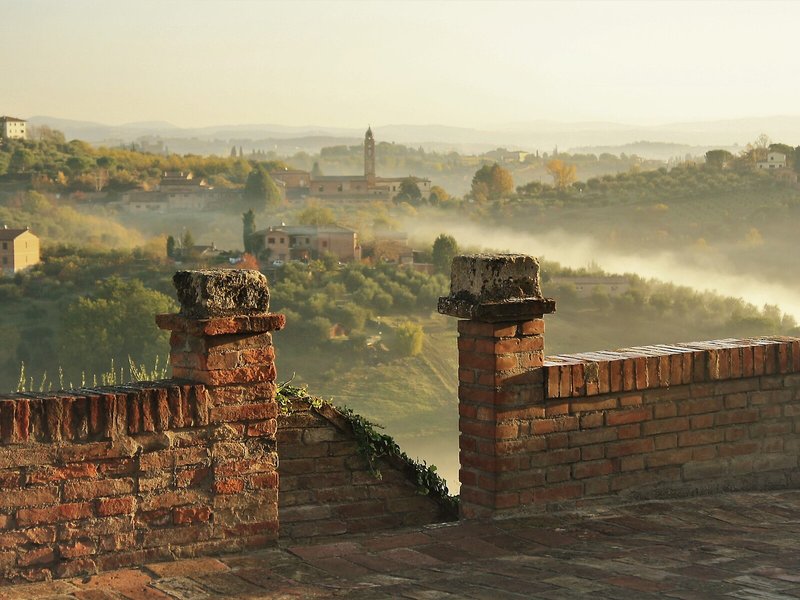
[543, 135]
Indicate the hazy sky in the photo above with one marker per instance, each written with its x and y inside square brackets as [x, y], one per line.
[337, 63]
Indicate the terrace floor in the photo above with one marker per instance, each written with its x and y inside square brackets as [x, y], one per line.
[741, 545]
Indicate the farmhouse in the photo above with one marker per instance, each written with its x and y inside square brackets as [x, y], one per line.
[19, 250]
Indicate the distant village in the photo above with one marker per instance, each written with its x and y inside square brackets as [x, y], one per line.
[183, 191]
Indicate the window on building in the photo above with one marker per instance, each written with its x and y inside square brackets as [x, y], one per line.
[5, 245]
[270, 240]
[308, 240]
[282, 240]
[340, 188]
[324, 244]
[321, 188]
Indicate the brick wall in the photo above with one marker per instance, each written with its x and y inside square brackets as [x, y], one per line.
[641, 422]
[327, 488]
[94, 479]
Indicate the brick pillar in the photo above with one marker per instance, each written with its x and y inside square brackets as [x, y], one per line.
[500, 391]
[222, 338]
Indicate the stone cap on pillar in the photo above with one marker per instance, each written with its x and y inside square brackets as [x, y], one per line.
[221, 301]
[495, 288]
[222, 293]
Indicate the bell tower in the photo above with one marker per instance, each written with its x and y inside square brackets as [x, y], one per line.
[369, 156]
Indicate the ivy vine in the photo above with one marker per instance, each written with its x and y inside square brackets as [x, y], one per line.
[373, 445]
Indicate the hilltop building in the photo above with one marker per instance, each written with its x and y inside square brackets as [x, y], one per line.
[12, 128]
[177, 191]
[301, 183]
[19, 249]
[775, 160]
[308, 242]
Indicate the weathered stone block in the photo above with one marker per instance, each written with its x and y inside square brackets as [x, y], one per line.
[494, 277]
[495, 287]
[221, 292]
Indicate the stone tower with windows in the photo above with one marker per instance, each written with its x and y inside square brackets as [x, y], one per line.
[369, 156]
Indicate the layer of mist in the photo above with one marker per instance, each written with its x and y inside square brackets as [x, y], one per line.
[578, 251]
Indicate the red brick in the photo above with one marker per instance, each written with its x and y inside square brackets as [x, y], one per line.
[86, 490]
[758, 360]
[629, 447]
[107, 507]
[651, 367]
[747, 361]
[741, 449]
[664, 410]
[702, 421]
[700, 453]
[228, 486]
[542, 426]
[593, 404]
[524, 344]
[557, 440]
[598, 468]
[701, 405]
[603, 377]
[33, 496]
[532, 327]
[736, 363]
[565, 378]
[675, 369]
[640, 367]
[76, 549]
[665, 426]
[246, 412]
[615, 375]
[771, 359]
[699, 438]
[591, 420]
[734, 417]
[668, 457]
[553, 409]
[629, 463]
[578, 380]
[555, 457]
[592, 436]
[54, 514]
[628, 374]
[39, 556]
[558, 492]
[623, 417]
[263, 481]
[553, 382]
[190, 514]
[466, 344]
[626, 432]
[668, 440]
[630, 400]
[596, 487]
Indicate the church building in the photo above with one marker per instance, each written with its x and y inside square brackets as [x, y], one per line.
[346, 186]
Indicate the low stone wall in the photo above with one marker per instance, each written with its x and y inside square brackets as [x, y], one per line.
[327, 487]
[544, 433]
[94, 479]
[672, 420]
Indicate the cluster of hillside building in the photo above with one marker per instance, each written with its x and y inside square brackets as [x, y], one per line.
[298, 183]
[176, 191]
[183, 191]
